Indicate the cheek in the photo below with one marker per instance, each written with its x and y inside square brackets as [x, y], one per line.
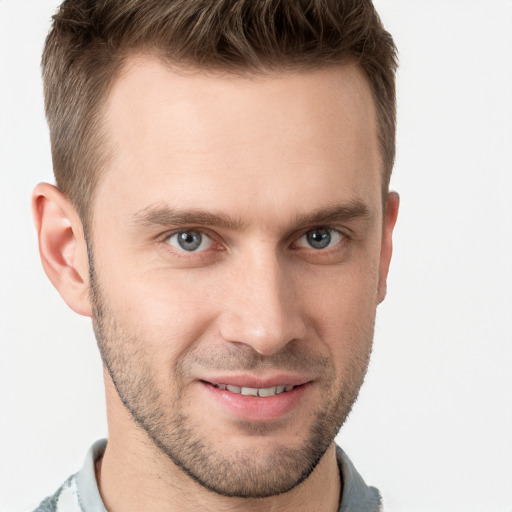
[166, 311]
[343, 310]
[344, 314]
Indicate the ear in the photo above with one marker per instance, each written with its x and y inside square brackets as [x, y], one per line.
[390, 216]
[62, 246]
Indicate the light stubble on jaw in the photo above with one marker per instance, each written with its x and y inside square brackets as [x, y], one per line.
[235, 473]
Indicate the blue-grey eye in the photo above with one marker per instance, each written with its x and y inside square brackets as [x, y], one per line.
[190, 240]
[320, 238]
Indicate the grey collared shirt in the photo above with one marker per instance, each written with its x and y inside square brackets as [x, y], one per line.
[79, 493]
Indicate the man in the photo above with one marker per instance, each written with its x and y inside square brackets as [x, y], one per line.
[222, 214]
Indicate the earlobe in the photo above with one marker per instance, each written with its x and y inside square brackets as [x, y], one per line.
[390, 216]
[62, 246]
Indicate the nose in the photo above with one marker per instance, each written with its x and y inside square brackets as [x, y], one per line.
[263, 307]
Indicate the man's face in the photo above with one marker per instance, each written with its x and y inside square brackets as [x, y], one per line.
[236, 243]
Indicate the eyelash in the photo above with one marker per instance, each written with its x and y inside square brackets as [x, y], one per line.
[218, 247]
[330, 232]
[344, 239]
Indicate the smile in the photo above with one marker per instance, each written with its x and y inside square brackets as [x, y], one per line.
[262, 392]
[258, 399]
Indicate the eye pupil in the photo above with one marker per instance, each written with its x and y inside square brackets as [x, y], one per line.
[319, 238]
[189, 240]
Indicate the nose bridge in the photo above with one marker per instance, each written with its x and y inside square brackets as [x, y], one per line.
[263, 310]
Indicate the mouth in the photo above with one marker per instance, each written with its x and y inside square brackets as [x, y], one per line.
[256, 400]
[261, 392]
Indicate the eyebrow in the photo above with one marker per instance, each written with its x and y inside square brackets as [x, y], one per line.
[163, 215]
[341, 212]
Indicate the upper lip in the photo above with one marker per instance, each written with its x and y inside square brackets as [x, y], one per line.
[258, 382]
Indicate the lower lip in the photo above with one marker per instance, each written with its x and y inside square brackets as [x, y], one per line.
[255, 408]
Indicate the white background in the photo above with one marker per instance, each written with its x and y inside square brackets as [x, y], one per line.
[432, 428]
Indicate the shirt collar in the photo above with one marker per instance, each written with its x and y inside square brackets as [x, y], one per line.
[356, 494]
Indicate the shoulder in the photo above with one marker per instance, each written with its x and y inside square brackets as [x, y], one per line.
[79, 493]
[356, 494]
[65, 499]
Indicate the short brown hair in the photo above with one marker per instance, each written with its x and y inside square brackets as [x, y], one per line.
[90, 40]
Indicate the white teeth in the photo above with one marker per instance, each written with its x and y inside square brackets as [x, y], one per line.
[267, 391]
[250, 391]
[274, 390]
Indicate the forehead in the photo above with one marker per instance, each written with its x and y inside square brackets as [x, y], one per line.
[190, 138]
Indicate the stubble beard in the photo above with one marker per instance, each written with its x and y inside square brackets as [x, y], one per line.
[233, 473]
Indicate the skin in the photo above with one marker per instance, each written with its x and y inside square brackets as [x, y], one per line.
[265, 155]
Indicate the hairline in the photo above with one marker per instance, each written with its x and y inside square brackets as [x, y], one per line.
[101, 145]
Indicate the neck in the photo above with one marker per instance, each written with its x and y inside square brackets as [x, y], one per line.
[134, 475]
